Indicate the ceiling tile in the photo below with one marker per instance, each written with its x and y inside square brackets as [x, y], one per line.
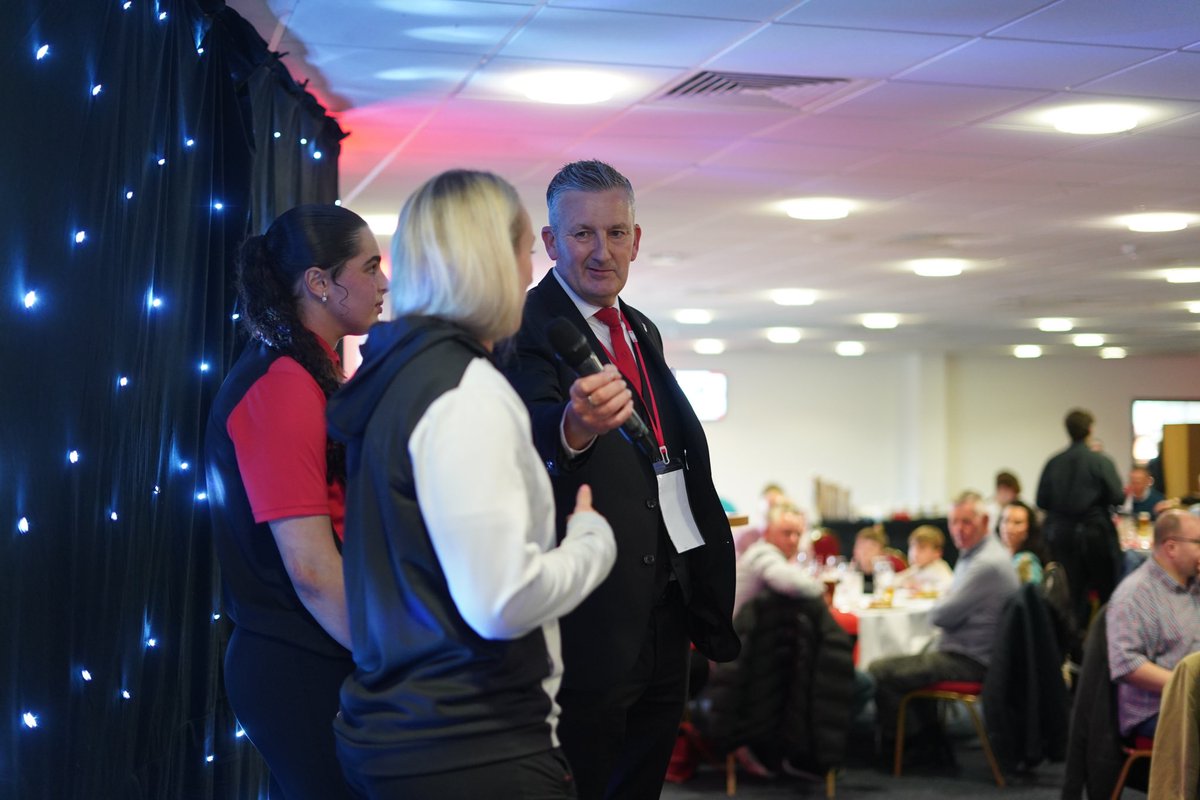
[831, 52]
[1165, 23]
[930, 16]
[756, 10]
[938, 103]
[1027, 65]
[456, 26]
[610, 37]
[1176, 76]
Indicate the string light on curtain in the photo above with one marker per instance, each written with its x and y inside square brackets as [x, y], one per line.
[181, 250]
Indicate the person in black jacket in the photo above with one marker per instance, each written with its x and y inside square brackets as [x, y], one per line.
[1077, 489]
[454, 584]
[626, 647]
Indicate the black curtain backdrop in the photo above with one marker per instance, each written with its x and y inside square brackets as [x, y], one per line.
[139, 149]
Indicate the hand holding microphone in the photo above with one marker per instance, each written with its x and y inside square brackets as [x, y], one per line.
[600, 401]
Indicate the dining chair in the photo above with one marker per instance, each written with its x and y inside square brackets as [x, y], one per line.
[966, 692]
[1142, 747]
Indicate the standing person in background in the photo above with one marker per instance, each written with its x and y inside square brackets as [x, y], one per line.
[626, 647]
[454, 583]
[276, 489]
[1077, 490]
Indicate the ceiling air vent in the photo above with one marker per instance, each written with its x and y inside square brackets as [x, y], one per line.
[749, 88]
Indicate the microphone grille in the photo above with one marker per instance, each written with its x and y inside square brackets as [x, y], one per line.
[567, 341]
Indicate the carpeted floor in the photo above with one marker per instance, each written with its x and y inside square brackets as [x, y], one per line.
[867, 776]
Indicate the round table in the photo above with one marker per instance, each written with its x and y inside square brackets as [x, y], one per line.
[902, 630]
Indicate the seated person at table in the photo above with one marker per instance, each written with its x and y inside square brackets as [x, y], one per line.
[743, 537]
[928, 572]
[1141, 496]
[1154, 621]
[967, 617]
[869, 545]
[771, 561]
[1021, 533]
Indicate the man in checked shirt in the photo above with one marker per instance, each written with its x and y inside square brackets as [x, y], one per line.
[1154, 621]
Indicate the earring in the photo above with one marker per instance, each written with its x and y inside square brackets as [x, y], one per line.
[324, 296]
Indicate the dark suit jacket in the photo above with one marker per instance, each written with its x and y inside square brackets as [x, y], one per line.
[603, 636]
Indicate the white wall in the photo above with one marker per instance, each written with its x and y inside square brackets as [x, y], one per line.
[909, 431]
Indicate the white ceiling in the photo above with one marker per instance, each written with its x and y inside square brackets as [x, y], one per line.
[936, 134]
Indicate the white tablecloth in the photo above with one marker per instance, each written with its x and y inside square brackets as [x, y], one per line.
[904, 629]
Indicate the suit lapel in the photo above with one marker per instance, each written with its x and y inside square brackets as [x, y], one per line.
[559, 304]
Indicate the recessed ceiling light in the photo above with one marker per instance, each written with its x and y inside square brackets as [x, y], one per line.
[817, 208]
[938, 267]
[784, 335]
[568, 87]
[850, 348]
[1095, 119]
[1027, 351]
[381, 224]
[1087, 340]
[1194, 306]
[693, 316]
[709, 347]
[880, 322]
[1055, 324]
[1112, 352]
[794, 297]
[1182, 275]
[1157, 222]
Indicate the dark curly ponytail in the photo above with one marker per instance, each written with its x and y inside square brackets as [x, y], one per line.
[269, 268]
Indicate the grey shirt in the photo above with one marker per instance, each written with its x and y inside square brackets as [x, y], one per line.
[969, 614]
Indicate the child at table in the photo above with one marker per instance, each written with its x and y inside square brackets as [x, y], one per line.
[928, 573]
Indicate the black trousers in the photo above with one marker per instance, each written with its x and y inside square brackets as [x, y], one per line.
[285, 698]
[542, 776]
[1090, 555]
[899, 675]
[619, 741]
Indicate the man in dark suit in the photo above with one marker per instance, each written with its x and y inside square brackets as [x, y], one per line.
[625, 649]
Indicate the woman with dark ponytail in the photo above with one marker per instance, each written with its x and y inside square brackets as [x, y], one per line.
[276, 487]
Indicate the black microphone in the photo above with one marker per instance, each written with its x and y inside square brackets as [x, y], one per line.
[571, 346]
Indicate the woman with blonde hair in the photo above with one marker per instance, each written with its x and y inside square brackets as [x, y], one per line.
[454, 582]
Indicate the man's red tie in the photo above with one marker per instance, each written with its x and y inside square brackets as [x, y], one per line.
[621, 354]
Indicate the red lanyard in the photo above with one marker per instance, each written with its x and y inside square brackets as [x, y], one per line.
[655, 421]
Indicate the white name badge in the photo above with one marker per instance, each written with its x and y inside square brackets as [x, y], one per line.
[677, 512]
